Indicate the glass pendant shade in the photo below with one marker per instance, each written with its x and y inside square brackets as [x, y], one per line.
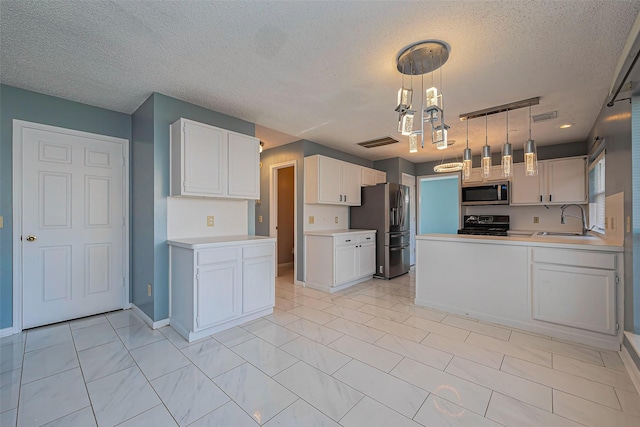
[404, 99]
[507, 160]
[431, 97]
[440, 138]
[530, 158]
[413, 143]
[486, 161]
[407, 123]
[466, 164]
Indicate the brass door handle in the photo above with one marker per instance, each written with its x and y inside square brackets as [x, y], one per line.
[31, 238]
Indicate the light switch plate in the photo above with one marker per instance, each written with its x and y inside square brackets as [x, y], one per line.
[536, 219]
[259, 218]
[628, 224]
[210, 221]
[1, 222]
[311, 220]
[336, 220]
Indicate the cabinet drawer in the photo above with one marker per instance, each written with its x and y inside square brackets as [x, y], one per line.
[257, 251]
[366, 238]
[214, 256]
[346, 240]
[587, 259]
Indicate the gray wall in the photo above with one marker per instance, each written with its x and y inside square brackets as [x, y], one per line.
[38, 108]
[545, 152]
[614, 125]
[154, 126]
[391, 167]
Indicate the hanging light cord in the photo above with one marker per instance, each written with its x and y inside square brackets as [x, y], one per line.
[486, 131]
[507, 126]
[529, 121]
[467, 132]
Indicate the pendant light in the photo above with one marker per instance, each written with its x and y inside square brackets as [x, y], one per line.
[413, 143]
[507, 154]
[530, 153]
[486, 152]
[466, 158]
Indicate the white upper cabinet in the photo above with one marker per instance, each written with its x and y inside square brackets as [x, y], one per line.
[559, 181]
[494, 175]
[381, 177]
[567, 180]
[331, 181]
[372, 177]
[207, 161]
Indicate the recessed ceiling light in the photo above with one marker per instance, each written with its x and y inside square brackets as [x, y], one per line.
[568, 125]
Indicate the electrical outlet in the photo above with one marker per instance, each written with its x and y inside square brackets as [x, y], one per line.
[210, 222]
[628, 224]
[536, 219]
[336, 220]
[259, 218]
[312, 220]
[148, 289]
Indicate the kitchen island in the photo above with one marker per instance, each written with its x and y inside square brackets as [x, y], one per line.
[220, 282]
[564, 287]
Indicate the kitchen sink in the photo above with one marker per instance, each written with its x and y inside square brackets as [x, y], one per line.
[561, 234]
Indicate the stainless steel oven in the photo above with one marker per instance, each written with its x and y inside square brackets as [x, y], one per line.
[497, 193]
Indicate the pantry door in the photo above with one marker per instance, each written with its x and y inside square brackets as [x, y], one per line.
[74, 220]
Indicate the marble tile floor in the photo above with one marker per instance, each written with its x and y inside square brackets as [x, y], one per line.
[365, 356]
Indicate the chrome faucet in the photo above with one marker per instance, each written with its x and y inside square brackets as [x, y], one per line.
[583, 218]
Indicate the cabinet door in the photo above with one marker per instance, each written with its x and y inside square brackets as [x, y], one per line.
[368, 177]
[567, 180]
[496, 174]
[526, 190]
[574, 296]
[218, 293]
[330, 180]
[366, 259]
[258, 286]
[351, 184]
[346, 264]
[244, 166]
[381, 177]
[204, 162]
[476, 176]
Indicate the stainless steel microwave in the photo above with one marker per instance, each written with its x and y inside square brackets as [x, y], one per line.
[497, 193]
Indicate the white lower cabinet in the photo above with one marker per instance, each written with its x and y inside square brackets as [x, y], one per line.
[575, 288]
[215, 288]
[337, 260]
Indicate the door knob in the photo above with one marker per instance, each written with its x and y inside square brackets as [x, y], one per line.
[31, 238]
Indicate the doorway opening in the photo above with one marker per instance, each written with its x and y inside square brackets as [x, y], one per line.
[410, 181]
[283, 221]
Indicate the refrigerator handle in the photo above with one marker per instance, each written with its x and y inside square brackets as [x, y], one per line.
[401, 206]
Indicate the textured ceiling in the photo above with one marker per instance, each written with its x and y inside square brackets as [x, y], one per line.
[324, 71]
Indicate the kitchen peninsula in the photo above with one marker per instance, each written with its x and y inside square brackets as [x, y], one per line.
[564, 287]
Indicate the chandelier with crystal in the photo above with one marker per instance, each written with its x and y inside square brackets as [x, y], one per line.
[419, 59]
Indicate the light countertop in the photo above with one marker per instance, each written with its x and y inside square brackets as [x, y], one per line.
[338, 232]
[209, 242]
[577, 242]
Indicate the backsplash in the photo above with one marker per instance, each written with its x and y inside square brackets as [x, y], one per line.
[187, 217]
[522, 217]
[324, 217]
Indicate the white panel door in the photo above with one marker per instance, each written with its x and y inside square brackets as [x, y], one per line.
[258, 291]
[73, 226]
[346, 264]
[218, 293]
[205, 164]
[351, 188]
[244, 166]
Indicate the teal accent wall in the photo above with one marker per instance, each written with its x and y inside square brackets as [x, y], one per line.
[151, 122]
[34, 107]
[439, 205]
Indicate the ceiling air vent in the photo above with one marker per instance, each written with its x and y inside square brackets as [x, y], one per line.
[378, 142]
[544, 116]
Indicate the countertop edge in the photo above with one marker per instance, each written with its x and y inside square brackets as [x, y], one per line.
[551, 242]
[337, 232]
[200, 243]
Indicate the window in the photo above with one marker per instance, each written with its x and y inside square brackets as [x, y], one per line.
[597, 194]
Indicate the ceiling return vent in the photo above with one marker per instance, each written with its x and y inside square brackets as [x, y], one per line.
[544, 116]
[378, 142]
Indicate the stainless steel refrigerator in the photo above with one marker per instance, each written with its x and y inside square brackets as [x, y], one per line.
[385, 208]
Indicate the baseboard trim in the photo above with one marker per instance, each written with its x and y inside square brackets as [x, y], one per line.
[5, 332]
[147, 319]
[299, 283]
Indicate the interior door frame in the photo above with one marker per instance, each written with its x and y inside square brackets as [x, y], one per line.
[403, 177]
[17, 156]
[273, 209]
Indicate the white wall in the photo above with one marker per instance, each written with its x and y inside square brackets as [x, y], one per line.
[324, 217]
[187, 217]
[521, 217]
